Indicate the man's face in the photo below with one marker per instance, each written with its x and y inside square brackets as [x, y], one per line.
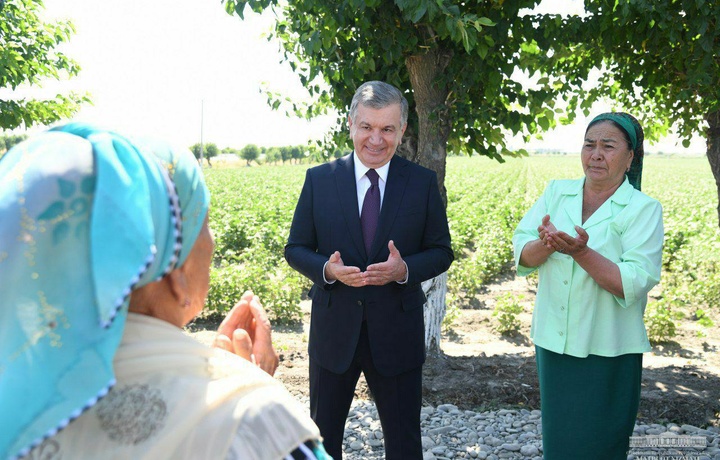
[376, 133]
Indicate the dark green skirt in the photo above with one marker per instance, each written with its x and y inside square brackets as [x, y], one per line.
[589, 405]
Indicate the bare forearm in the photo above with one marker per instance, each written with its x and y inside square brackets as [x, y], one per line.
[534, 254]
[601, 269]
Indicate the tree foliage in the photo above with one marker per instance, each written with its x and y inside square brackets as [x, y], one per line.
[28, 55]
[249, 153]
[477, 46]
[661, 62]
[297, 153]
[209, 151]
[272, 155]
[659, 59]
[286, 153]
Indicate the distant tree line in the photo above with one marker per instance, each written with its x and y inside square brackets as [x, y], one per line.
[294, 154]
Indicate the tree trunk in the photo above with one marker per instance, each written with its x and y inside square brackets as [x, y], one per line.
[434, 312]
[433, 130]
[433, 121]
[713, 149]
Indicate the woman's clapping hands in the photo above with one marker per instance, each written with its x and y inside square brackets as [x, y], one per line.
[246, 331]
[560, 241]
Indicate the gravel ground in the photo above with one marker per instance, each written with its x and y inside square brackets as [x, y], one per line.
[450, 433]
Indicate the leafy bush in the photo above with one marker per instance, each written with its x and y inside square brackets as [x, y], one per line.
[702, 318]
[506, 310]
[250, 217]
[660, 321]
[279, 287]
[532, 280]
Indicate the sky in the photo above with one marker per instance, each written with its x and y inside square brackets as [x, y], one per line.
[154, 68]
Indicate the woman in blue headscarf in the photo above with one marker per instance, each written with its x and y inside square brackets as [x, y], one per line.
[597, 243]
[105, 254]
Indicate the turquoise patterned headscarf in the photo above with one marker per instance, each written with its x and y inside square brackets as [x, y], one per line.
[86, 215]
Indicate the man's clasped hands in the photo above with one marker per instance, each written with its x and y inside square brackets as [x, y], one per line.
[393, 269]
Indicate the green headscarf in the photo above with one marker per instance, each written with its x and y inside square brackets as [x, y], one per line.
[635, 135]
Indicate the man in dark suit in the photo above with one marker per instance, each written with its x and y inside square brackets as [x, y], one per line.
[368, 229]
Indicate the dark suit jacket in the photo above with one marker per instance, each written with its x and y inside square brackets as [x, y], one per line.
[327, 220]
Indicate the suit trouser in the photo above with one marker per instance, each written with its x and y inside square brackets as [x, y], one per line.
[398, 400]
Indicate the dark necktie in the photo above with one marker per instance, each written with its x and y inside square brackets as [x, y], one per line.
[370, 210]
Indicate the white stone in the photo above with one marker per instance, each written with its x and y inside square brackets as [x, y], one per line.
[514, 447]
[427, 443]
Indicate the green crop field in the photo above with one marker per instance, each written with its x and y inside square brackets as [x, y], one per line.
[252, 209]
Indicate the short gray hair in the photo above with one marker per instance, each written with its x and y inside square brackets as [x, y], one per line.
[378, 95]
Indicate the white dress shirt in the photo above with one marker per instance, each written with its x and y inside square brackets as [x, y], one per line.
[362, 181]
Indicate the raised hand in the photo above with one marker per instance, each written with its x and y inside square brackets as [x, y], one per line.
[394, 269]
[335, 269]
[246, 331]
[566, 244]
[545, 228]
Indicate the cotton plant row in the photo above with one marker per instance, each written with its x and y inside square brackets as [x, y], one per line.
[252, 209]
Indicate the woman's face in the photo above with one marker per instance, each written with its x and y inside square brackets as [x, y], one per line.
[605, 155]
[197, 269]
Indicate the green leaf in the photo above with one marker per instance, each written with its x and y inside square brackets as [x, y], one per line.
[486, 21]
[419, 12]
[544, 123]
[482, 50]
[29, 54]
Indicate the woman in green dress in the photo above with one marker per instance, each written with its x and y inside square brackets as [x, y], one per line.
[597, 244]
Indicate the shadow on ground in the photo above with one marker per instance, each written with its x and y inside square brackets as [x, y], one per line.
[684, 395]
